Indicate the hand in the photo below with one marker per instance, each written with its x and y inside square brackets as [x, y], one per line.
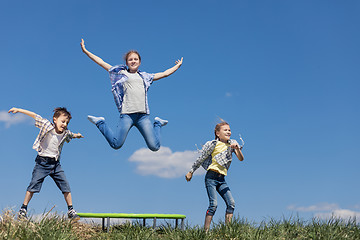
[179, 62]
[82, 44]
[13, 110]
[188, 176]
[78, 135]
[235, 146]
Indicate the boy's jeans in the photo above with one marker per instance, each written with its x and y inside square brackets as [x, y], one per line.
[150, 132]
[215, 182]
[48, 167]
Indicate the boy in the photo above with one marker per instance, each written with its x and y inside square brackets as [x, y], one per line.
[48, 144]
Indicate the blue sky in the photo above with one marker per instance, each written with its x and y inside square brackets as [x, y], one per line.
[284, 74]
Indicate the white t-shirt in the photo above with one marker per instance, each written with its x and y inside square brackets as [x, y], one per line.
[50, 144]
[134, 94]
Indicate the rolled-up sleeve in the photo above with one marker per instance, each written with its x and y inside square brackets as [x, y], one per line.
[39, 121]
[205, 153]
[115, 73]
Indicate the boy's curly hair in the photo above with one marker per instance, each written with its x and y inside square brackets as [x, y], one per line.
[61, 110]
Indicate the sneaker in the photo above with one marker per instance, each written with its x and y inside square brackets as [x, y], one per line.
[73, 215]
[161, 121]
[95, 120]
[22, 213]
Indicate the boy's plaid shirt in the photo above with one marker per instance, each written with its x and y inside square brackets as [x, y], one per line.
[205, 159]
[45, 127]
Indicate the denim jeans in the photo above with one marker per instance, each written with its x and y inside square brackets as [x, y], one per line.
[48, 167]
[215, 182]
[150, 132]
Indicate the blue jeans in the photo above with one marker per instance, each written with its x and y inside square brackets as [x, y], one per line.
[48, 167]
[150, 132]
[215, 182]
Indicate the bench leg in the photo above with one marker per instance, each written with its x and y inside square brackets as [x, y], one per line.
[108, 224]
[176, 223]
[144, 222]
[154, 224]
[103, 224]
[182, 224]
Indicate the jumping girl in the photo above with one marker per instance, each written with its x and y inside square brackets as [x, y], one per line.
[129, 86]
[216, 157]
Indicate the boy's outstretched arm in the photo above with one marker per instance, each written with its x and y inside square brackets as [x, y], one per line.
[169, 71]
[77, 135]
[95, 58]
[26, 112]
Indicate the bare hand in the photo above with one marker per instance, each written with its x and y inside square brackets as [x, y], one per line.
[13, 110]
[235, 146]
[179, 62]
[188, 176]
[78, 135]
[82, 44]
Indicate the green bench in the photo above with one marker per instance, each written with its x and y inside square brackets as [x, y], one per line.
[153, 216]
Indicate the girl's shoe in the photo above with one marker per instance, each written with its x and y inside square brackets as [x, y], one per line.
[95, 120]
[161, 121]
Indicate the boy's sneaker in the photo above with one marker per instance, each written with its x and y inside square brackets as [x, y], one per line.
[22, 213]
[73, 215]
[161, 121]
[94, 120]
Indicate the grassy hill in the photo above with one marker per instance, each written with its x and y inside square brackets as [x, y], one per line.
[53, 226]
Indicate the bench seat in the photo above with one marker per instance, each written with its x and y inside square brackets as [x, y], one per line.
[153, 216]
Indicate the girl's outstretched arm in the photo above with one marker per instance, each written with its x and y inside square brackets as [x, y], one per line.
[238, 152]
[26, 112]
[169, 71]
[188, 176]
[95, 58]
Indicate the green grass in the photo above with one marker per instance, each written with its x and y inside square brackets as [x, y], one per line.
[54, 226]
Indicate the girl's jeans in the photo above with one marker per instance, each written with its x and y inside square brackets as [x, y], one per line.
[150, 132]
[215, 182]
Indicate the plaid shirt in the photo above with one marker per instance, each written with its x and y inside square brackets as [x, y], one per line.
[205, 159]
[117, 85]
[45, 127]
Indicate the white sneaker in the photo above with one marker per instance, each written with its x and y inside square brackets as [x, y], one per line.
[22, 213]
[73, 215]
[161, 121]
[95, 120]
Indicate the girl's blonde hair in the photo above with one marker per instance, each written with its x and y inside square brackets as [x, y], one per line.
[218, 126]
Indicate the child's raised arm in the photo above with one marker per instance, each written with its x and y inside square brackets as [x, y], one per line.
[188, 176]
[238, 152]
[169, 71]
[77, 135]
[26, 112]
[95, 58]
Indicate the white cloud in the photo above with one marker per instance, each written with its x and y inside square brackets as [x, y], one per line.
[164, 163]
[327, 211]
[228, 94]
[316, 207]
[357, 206]
[345, 214]
[12, 119]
